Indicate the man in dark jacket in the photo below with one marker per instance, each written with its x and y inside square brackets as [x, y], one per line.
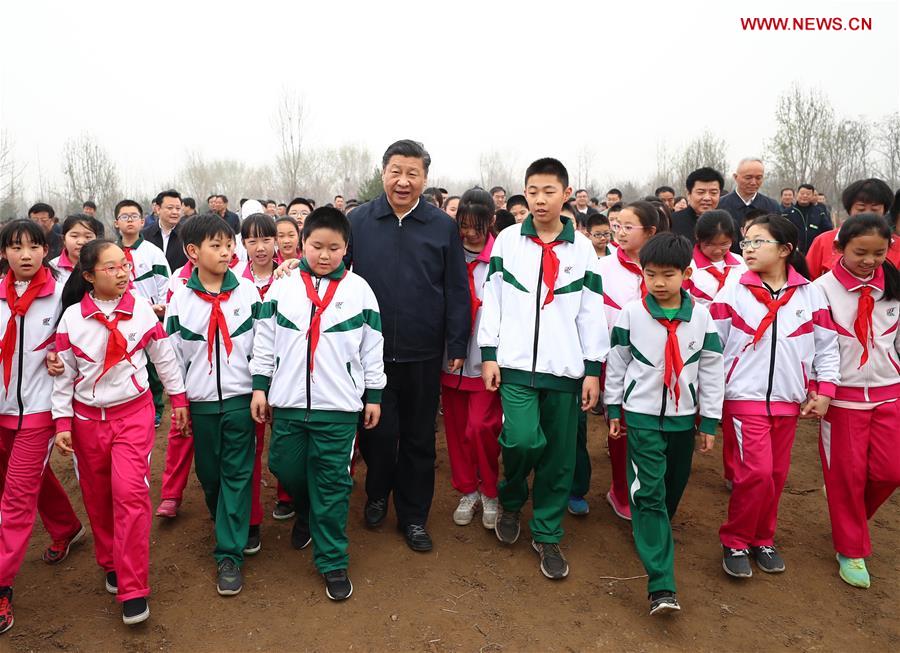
[704, 186]
[44, 215]
[810, 218]
[411, 255]
[745, 197]
[164, 234]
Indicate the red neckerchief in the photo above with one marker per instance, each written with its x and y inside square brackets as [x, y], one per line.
[216, 323]
[473, 297]
[116, 346]
[772, 305]
[549, 265]
[315, 321]
[632, 267]
[674, 363]
[719, 275]
[18, 306]
[862, 326]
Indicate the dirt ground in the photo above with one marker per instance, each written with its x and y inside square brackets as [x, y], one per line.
[472, 593]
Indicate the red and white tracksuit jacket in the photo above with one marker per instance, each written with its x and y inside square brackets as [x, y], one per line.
[27, 484]
[765, 383]
[708, 278]
[473, 416]
[63, 266]
[859, 439]
[110, 416]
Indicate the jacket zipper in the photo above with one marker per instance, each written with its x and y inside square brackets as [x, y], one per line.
[312, 313]
[219, 371]
[397, 285]
[537, 320]
[772, 358]
[21, 365]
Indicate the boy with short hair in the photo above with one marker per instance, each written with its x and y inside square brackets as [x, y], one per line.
[543, 341]
[317, 364]
[665, 366]
[518, 206]
[211, 321]
[598, 230]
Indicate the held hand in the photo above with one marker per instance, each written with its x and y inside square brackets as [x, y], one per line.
[490, 374]
[615, 428]
[259, 408]
[64, 442]
[706, 442]
[804, 407]
[159, 309]
[284, 270]
[590, 392]
[54, 364]
[371, 416]
[455, 365]
[182, 420]
[816, 408]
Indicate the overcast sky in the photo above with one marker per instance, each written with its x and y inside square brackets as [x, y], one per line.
[152, 81]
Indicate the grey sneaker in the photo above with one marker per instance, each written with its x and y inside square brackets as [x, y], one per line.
[230, 581]
[663, 602]
[507, 526]
[767, 559]
[553, 563]
[736, 562]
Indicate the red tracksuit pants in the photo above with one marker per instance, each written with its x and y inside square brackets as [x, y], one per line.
[28, 485]
[472, 423]
[761, 457]
[618, 459]
[112, 458]
[860, 451]
[180, 454]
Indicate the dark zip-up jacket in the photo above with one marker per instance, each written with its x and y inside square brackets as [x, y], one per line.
[810, 220]
[417, 270]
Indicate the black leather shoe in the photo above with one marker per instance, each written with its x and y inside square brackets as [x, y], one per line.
[417, 538]
[375, 512]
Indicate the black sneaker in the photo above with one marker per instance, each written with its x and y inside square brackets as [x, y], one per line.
[254, 544]
[6, 609]
[112, 582]
[300, 538]
[767, 559]
[337, 585]
[736, 562]
[417, 538]
[283, 510]
[229, 580]
[375, 512]
[134, 611]
[663, 602]
[507, 526]
[553, 563]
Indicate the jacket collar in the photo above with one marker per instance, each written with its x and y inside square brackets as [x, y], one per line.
[794, 278]
[383, 209]
[337, 273]
[229, 282]
[248, 270]
[703, 261]
[137, 243]
[684, 312]
[48, 289]
[64, 262]
[485, 255]
[89, 308]
[852, 283]
[566, 235]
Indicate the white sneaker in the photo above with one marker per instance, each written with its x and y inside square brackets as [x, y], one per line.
[489, 508]
[465, 511]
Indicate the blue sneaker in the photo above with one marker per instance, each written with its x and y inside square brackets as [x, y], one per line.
[578, 506]
[853, 571]
[157, 421]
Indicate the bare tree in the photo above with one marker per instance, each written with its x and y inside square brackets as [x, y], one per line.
[887, 141]
[290, 124]
[89, 172]
[803, 118]
[495, 170]
[584, 163]
[705, 150]
[10, 179]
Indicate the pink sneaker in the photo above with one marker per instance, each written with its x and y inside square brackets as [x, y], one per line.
[168, 508]
[623, 511]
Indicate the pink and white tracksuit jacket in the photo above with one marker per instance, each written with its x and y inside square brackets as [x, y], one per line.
[859, 436]
[704, 284]
[111, 419]
[765, 384]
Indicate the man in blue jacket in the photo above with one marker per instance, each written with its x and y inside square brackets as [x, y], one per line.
[810, 218]
[411, 255]
[748, 179]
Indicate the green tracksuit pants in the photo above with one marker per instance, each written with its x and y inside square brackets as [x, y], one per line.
[581, 481]
[659, 464]
[224, 448]
[311, 459]
[538, 435]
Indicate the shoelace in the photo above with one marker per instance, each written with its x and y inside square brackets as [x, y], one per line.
[736, 553]
[468, 501]
[856, 563]
[767, 550]
[551, 550]
[416, 530]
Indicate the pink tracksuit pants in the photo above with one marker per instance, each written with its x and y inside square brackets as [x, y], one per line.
[472, 422]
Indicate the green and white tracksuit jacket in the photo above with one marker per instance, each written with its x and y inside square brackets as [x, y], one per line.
[546, 346]
[150, 276]
[635, 368]
[348, 362]
[216, 380]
